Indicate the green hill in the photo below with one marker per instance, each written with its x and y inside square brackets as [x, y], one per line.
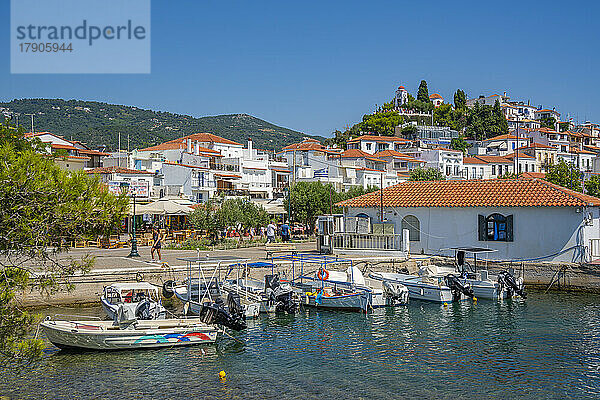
[99, 124]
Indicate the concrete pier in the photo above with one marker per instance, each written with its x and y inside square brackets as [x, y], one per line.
[113, 266]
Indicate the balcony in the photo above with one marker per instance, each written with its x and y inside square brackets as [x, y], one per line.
[357, 241]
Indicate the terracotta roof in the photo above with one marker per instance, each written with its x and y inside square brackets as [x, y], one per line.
[547, 110]
[521, 155]
[375, 138]
[535, 145]
[78, 158]
[494, 159]
[396, 154]
[369, 169]
[579, 151]
[306, 144]
[504, 137]
[93, 152]
[62, 146]
[435, 96]
[285, 171]
[474, 193]
[594, 148]
[546, 130]
[181, 143]
[473, 160]
[118, 170]
[228, 175]
[356, 153]
[400, 87]
[530, 175]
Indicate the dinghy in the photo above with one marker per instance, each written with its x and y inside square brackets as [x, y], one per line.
[139, 300]
[133, 334]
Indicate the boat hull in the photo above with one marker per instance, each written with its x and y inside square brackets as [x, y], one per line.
[97, 335]
[350, 302]
[418, 289]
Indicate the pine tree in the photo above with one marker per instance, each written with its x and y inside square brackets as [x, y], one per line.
[423, 93]
[460, 100]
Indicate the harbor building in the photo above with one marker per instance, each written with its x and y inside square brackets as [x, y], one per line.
[522, 219]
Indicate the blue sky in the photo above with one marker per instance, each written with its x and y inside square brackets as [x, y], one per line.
[316, 66]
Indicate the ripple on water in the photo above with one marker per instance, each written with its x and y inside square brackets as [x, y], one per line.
[546, 346]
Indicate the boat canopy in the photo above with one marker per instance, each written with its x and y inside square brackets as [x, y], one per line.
[133, 286]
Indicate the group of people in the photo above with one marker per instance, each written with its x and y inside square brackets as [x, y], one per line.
[284, 230]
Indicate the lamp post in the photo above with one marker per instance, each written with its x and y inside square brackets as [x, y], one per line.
[134, 249]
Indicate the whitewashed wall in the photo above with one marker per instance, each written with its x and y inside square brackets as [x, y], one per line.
[537, 231]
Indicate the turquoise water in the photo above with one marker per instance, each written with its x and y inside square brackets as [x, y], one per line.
[547, 346]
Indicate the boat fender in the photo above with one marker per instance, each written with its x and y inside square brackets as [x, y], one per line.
[222, 375]
[167, 289]
[323, 274]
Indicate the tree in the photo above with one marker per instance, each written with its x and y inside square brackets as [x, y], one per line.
[592, 186]
[426, 174]
[381, 123]
[485, 121]
[423, 93]
[310, 199]
[460, 100]
[564, 126]
[44, 209]
[218, 213]
[566, 175]
[548, 122]
[459, 144]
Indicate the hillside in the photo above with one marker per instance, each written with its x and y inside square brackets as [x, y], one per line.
[99, 124]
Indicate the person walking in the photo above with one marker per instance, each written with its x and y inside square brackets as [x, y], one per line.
[271, 229]
[285, 232]
[156, 243]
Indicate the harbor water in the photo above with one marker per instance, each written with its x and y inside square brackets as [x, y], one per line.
[547, 346]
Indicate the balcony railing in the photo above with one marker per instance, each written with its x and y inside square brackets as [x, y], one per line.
[357, 241]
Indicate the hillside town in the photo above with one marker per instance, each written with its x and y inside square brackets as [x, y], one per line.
[197, 167]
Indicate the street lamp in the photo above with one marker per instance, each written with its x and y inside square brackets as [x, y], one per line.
[134, 249]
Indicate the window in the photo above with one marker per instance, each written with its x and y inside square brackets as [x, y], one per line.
[496, 227]
[494, 169]
[368, 146]
[413, 225]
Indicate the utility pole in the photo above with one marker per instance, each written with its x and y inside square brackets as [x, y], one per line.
[381, 202]
[32, 130]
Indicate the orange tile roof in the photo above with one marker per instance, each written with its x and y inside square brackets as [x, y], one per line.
[396, 154]
[474, 193]
[375, 138]
[446, 149]
[535, 145]
[504, 137]
[93, 152]
[435, 96]
[494, 159]
[596, 148]
[306, 144]
[530, 175]
[181, 143]
[118, 170]
[356, 153]
[62, 146]
[521, 155]
[473, 160]
[579, 151]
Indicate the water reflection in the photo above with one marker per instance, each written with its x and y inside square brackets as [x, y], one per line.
[546, 346]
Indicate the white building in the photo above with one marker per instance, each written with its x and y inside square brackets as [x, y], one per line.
[449, 162]
[501, 145]
[521, 218]
[401, 97]
[373, 144]
[76, 155]
[121, 176]
[436, 99]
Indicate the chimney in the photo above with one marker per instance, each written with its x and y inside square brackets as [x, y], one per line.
[504, 94]
[197, 149]
[250, 151]
[189, 145]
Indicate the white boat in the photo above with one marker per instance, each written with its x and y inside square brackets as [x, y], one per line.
[139, 300]
[485, 286]
[135, 334]
[419, 288]
[351, 291]
[270, 295]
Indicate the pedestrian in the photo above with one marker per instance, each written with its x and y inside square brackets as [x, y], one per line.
[271, 229]
[156, 243]
[285, 232]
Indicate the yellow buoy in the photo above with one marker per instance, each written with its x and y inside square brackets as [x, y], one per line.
[475, 298]
[445, 304]
[222, 375]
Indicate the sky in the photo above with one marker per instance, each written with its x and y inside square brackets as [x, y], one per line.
[318, 66]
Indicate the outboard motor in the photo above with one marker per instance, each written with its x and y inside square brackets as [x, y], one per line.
[458, 287]
[167, 289]
[508, 281]
[395, 293]
[142, 311]
[280, 295]
[216, 314]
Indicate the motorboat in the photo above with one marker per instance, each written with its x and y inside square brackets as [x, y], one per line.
[272, 295]
[350, 291]
[485, 286]
[139, 300]
[128, 334]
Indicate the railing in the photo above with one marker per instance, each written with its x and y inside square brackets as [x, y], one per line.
[357, 241]
[595, 248]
